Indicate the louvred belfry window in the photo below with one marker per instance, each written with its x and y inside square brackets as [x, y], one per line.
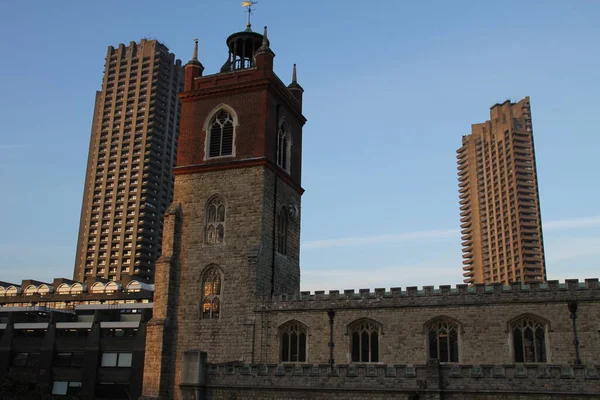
[215, 221]
[283, 146]
[282, 231]
[211, 294]
[221, 135]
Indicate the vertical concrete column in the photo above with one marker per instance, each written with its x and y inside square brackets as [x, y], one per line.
[92, 357]
[137, 363]
[47, 354]
[5, 346]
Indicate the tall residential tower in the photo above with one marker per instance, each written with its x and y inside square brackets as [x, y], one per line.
[129, 178]
[499, 202]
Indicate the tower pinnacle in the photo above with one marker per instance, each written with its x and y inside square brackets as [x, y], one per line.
[264, 48]
[194, 60]
[294, 77]
[195, 55]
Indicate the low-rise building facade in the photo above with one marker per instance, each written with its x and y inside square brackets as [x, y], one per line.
[68, 338]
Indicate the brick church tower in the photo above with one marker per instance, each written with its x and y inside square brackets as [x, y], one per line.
[232, 233]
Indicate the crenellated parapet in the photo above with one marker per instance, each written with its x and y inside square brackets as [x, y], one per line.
[524, 379]
[462, 294]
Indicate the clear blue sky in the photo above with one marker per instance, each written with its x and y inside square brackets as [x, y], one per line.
[391, 86]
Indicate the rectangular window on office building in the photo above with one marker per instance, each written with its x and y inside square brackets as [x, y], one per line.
[122, 360]
[66, 388]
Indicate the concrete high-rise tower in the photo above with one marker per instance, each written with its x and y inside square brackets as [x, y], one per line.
[499, 202]
[129, 178]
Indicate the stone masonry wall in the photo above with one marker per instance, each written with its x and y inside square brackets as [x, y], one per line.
[430, 381]
[482, 312]
[287, 267]
[245, 264]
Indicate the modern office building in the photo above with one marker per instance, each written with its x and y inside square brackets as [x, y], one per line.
[129, 179]
[69, 338]
[499, 201]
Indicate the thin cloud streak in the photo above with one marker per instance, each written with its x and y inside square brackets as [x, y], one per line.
[573, 223]
[11, 146]
[559, 250]
[380, 277]
[438, 234]
[382, 239]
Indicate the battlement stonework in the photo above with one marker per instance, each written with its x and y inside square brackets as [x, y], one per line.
[571, 289]
[430, 381]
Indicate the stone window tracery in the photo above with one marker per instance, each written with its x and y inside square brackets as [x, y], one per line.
[284, 145]
[221, 132]
[211, 293]
[529, 340]
[292, 336]
[282, 231]
[215, 220]
[442, 337]
[364, 340]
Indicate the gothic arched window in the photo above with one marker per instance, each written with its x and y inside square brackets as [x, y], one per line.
[292, 339]
[364, 340]
[284, 146]
[529, 339]
[220, 134]
[215, 220]
[442, 337]
[282, 231]
[211, 293]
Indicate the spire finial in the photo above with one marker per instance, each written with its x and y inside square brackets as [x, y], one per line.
[265, 41]
[294, 77]
[195, 56]
[249, 10]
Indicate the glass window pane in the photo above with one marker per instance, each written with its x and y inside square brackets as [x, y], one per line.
[285, 347]
[215, 309]
[212, 213]
[355, 346]
[74, 388]
[206, 308]
[529, 345]
[217, 285]
[454, 344]
[364, 347]
[60, 387]
[518, 345]
[220, 233]
[443, 343]
[540, 345]
[125, 360]
[374, 347]
[109, 360]
[294, 347]
[433, 346]
[302, 355]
